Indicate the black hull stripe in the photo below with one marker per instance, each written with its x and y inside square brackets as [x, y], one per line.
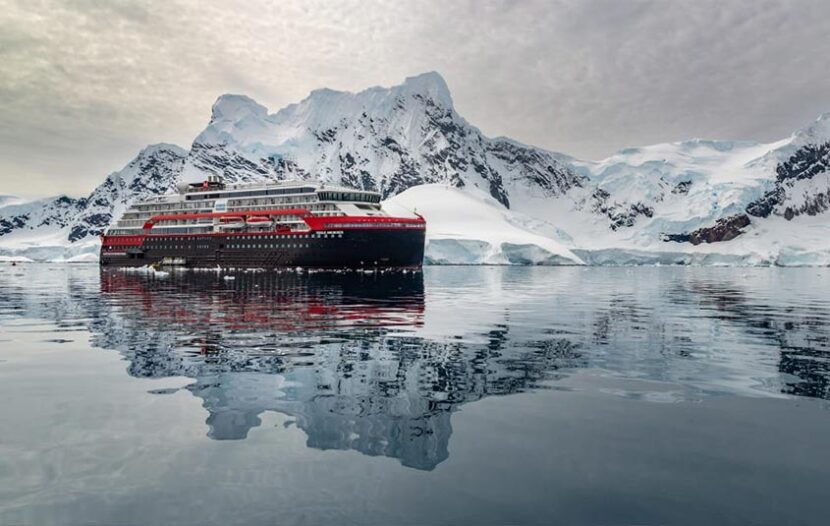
[351, 249]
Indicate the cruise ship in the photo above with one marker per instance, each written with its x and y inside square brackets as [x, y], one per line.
[264, 225]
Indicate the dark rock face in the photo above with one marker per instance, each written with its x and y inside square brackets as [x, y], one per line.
[724, 229]
[93, 225]
[815, 204]
[232, 167]
[807, 163]
[621, 214]
[682, 187]
[56, 213]
[765, 206]
[8, 225]
[535, 168]
[811, 162]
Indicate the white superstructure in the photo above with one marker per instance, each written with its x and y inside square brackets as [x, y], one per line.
[213, 196]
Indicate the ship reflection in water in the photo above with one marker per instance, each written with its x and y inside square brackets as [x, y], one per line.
[330, 350]
[340, 353]
[337, 352]
[349, 358]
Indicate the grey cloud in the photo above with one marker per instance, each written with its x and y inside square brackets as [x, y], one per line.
[85, 84]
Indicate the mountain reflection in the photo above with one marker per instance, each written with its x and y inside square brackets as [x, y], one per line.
[336, 352]
[377, 363]
[801, 333]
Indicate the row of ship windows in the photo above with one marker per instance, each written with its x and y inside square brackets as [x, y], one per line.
[280, 237]
[281, 191]
[131, 219]
[232, 245]
[349, 196]
[246, 204]
[236, 203]
[374, 225]
[287, 200]
[296, 236]
[260, 237]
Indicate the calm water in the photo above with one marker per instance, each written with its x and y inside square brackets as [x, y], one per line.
[457, 396]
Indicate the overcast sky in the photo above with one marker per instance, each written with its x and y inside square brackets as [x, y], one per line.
[85, 84]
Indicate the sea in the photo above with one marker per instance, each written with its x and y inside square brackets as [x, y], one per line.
[456, 395]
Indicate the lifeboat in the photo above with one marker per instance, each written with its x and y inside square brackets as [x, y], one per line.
[227, 223]
[260, 221]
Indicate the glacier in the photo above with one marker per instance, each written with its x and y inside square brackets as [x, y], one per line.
[486, 200]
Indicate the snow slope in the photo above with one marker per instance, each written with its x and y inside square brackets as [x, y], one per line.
[471, 228]
[6, 200]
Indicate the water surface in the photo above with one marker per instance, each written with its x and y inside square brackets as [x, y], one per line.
[475, 395]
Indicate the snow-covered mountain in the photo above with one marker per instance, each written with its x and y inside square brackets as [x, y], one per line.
[696, 201]
[155, 170]
[763, 203]
[67, 228]
[387, 139]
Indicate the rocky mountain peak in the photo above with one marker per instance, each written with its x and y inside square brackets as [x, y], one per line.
[234, 108]
[817, 132]
[161, 148]
[384, 139]
[430, 85]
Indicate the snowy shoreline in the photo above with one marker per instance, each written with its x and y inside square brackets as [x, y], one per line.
[469, 227]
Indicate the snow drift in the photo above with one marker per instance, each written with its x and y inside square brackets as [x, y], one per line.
[469, 227]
